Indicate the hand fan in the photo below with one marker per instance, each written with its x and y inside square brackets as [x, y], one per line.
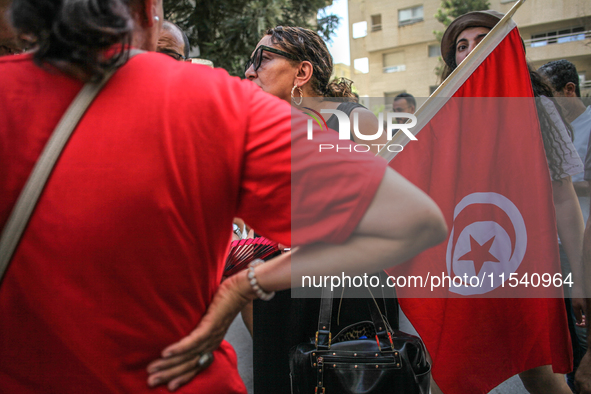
[243, 251]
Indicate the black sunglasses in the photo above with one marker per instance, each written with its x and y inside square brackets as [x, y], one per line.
[257, 57]
[175, 55]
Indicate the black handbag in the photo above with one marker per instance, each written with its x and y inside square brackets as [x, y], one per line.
[382, 360]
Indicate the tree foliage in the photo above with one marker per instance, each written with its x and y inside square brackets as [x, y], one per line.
[451, 9]
[227, 31]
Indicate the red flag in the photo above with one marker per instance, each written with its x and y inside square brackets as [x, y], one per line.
[481, 158]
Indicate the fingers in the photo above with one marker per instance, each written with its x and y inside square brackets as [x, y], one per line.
[578, 305]
[178, 382]
[578, 315]
[200, 341]
[171, 362]
[583, 322]
[205, 338]
[189, 344]
[178, 370]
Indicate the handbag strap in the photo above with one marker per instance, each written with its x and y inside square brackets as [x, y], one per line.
[27, 200]
[323, 335]
[381, 325]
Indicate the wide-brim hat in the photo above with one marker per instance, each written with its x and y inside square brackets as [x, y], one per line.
[487, 19]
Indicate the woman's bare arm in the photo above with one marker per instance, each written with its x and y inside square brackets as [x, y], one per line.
[400, 222]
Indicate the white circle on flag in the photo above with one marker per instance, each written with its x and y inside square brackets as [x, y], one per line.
[485, 246]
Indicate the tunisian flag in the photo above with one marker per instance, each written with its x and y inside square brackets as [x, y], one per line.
[481, 158]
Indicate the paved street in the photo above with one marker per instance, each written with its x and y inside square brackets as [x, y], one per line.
[511, 386]
[239, 337]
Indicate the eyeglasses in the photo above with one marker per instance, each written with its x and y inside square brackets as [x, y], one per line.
[257, 57]
[175, 55]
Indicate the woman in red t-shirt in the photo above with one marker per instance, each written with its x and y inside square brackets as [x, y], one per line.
[124, 252]
[294, 64]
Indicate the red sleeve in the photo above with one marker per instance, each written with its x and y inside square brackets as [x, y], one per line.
[328, 192]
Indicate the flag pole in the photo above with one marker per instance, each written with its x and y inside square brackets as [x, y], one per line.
[456, 79]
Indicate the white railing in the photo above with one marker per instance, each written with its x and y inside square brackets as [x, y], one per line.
[395, 69]
[558, 39]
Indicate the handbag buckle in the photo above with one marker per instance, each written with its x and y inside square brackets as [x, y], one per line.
[329, 339]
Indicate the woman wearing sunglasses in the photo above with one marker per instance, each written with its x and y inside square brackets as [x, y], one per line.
[294, 63]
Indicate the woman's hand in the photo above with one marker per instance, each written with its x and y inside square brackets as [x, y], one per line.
[183, 360]
[578, 304]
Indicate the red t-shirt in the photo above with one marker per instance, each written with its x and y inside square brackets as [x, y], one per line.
[125, 249]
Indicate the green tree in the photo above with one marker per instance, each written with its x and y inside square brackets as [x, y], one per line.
[451, 9]
[228, 30]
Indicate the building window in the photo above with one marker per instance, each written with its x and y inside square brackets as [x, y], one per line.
[361, 65]
[394, 62]
[583, 83]
[376, 22]
[434, 50]
[557, 37]
[411, 15]
[359, 29]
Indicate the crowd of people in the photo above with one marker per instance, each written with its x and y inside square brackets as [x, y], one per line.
[117, 284]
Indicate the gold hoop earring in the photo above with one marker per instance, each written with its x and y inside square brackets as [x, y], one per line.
[293, 98]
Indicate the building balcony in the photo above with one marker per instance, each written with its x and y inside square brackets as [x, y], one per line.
[559, 46]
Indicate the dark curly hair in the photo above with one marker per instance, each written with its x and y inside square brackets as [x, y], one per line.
[306, 44]
[449, 65]
[73, 35]
[553, 142]
[559, 73]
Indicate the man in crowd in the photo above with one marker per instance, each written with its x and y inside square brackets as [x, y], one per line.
[564, 80]
[406, 103]
[173, 42]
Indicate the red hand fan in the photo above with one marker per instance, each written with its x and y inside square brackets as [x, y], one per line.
[243, 251]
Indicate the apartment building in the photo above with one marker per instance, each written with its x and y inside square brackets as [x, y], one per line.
[394, 50]
[341, 70]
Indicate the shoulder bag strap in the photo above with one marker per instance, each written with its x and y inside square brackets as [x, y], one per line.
[27, 200]
[323, 335]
